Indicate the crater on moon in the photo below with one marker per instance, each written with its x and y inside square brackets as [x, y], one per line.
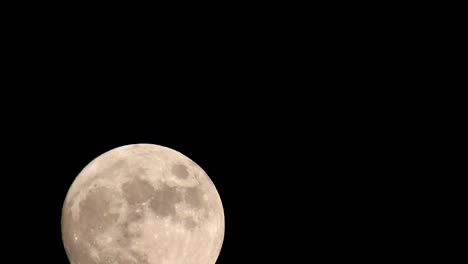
[164, 200]
[194, 197]
[137, 191]
[95, 210]
[142, 204]
[180, 171]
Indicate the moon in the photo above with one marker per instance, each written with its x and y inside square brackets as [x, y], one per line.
[142, 204]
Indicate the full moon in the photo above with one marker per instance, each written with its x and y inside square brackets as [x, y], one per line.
[142, 204]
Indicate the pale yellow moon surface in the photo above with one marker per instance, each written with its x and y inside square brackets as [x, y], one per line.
[142, 204]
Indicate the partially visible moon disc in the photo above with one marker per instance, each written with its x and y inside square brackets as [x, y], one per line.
[142, 204]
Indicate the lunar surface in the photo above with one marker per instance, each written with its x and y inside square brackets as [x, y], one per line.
[142, 204]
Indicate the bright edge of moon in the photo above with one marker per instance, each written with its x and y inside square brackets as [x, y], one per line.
[142, 204]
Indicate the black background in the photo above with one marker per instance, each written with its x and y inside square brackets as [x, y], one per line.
[250, 151]
[304, 163]
[302, 175]
[296, 172]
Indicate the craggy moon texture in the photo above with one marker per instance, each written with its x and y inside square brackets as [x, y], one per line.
[142, 204]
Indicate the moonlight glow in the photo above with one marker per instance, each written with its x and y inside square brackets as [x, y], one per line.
[142, 204]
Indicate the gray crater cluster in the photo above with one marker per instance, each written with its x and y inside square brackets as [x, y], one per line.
[138, 193]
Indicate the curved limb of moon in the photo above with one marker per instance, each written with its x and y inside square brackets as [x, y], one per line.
[142, 204]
